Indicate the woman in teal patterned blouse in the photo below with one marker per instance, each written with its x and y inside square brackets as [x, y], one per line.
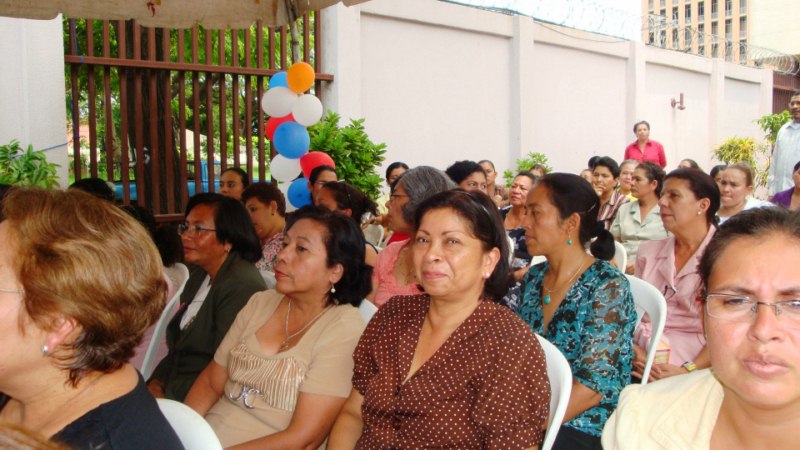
[581, 304]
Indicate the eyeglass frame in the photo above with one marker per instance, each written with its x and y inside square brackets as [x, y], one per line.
[12, 291]
[753, 310]
[183, 228]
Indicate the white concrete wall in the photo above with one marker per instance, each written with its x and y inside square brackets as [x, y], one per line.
[32, 95]
[439, 82]
[773, 24]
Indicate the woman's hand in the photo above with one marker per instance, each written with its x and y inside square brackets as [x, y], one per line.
[349, 424]
[207, 389]
[639, 361]
[661, 371]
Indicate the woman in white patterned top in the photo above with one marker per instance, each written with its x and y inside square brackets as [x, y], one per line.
[282, 373]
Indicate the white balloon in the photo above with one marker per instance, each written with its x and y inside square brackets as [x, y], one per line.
[284, 187]
[278, 101]
[307, 110]
[284, 169]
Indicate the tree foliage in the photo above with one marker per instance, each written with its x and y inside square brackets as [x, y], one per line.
[525, 163]
[354, 154]
[26, 167]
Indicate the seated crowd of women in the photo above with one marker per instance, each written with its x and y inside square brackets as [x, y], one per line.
[444, 362]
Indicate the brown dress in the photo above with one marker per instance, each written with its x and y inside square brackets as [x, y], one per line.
[486, 387]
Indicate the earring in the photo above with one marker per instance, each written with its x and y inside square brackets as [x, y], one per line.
[45, 351]
[333, 289]
[487, 275]
[569, 241]
[699, 212]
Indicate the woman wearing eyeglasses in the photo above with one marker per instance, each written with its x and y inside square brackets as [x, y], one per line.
[751, 397]
[688, 206]
[221, 245]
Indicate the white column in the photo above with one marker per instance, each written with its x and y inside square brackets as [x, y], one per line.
[341, 56]
[522, 89]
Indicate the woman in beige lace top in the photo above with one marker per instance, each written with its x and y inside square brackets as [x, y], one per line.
[283, 371]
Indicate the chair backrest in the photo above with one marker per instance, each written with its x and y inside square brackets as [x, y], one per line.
[620, 256]
[649, 301]
[192, 429]
[269, 278]
[367, 309]
[158, 340]
[373, 233]
[560, 376]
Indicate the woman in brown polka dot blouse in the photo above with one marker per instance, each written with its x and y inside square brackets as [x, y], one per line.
[449, 368]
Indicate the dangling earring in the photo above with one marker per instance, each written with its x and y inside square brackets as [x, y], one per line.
[45, 351]
[333, 289]
[569, 241]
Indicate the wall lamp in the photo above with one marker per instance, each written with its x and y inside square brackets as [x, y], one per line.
[679, 103]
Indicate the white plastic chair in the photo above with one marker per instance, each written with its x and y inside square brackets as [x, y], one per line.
[159, 333]
[269, 278]
[560, 376]
[649, 300]
[192, 429]
[620, 256]
[367, 309]
[374, 233]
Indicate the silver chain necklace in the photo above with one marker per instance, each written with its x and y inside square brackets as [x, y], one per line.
[285, 344]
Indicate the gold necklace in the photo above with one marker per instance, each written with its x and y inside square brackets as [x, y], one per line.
[285, 344]
[550, 291]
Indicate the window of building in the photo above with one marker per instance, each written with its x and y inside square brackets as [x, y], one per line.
[728, 29]
[650, 5]
[742, 27]
[701, 11]
[742, 6]
[728, 7]
[675, 13]
[687, 13]
[714, 9]
[714, 29]
[742, 53]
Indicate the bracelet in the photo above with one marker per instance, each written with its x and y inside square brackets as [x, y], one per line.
[690, 366]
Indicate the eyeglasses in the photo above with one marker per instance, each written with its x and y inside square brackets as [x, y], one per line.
[12, 291]
[741, 308]
[396, 196]
[195, 229]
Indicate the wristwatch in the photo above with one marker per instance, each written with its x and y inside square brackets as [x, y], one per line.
[690, 366]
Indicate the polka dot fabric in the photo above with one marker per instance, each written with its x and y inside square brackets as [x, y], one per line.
[486, 387]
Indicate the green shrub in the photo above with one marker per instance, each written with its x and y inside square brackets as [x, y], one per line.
[744, 150]
[26, 167]
[355, 155]
[526, 163]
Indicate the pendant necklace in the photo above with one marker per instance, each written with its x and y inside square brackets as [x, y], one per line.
[550, 291]
[285, 344]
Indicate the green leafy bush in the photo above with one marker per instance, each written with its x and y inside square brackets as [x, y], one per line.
[26, 167]
[355, 155]
[771, 123]
[526, 163]
[744, 150]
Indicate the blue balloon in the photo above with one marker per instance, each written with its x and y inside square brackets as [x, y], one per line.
[299, 195]
[291, 140]
[279, 79]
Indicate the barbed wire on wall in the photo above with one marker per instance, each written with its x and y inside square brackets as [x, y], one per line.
[658, 31]
[655, 30]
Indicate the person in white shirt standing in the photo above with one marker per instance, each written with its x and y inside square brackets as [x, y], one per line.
[787, 150]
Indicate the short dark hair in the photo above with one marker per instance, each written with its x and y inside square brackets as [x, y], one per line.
[460, 170]
[242, 174]
[692, 163]
[796, 166]
[481, 215]
[95, 186]
[345, 245]
[751, 223]
[420, 183]
[641, 122]
[393, 166]
[348, 197]
[653, 172]
[702, 186]
[609, 163]
[312, 177]
[232, 223]
[487, 162]
[592, 162]
[716, 169]
[571, 194]
[525, 173]
[266, 193]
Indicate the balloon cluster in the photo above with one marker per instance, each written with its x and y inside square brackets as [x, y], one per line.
[291, 112]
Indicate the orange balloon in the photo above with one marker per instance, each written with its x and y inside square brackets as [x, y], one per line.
[300, 77]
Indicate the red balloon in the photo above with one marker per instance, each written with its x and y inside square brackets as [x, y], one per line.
[274, 122]
[312, 160]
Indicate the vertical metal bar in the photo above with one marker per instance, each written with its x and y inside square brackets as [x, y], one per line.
[141, 195]
[235, 97]
[198, 181]
[248, 107]
[123, 119]
[152, 87]
[169, 148]
[76, 117]
[260, 93]
[107, 106]
[223, 104]
[210, 112]
[92, 100]
[182, 118]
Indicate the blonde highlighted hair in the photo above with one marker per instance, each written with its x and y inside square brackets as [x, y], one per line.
[83, 259]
